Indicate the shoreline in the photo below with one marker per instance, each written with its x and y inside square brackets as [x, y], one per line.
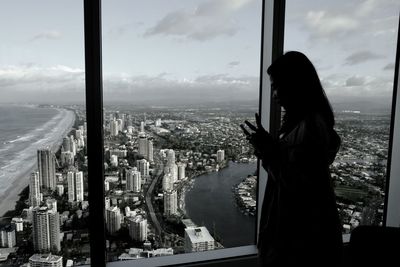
[11, 195]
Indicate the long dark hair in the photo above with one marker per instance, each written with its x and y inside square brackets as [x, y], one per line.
[296, 79]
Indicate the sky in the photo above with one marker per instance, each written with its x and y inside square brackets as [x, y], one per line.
[189, 51]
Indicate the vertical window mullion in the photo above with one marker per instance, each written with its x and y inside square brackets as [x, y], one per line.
[94, 117]
[392, 197]
[273, 20]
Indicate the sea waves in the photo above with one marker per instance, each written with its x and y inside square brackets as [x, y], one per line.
[18, 156]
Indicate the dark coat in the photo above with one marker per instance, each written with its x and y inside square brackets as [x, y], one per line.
[300, 225]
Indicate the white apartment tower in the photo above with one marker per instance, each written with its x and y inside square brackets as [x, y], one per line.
[113, 219]
[46, 230]
[138, 228]
[46, 166]
[7, 237]
[133, 180]
[181, 170]
[34, 190]
[220, 155]
[170, 203]
[143, 166]
[75, 186]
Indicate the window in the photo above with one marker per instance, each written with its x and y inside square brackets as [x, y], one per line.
[128, 135]
[357, 74]
[178, 81]
[43, 177]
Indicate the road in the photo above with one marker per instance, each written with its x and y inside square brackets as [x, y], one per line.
[149, 203]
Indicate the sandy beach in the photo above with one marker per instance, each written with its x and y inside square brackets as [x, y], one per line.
[16, 174]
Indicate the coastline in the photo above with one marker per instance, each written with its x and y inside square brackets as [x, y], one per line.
[53, 140]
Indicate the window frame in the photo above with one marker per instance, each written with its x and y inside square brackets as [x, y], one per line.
[272, 39]
[392, 191]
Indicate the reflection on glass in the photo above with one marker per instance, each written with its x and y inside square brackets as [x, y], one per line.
[43, 178]
[178, 81]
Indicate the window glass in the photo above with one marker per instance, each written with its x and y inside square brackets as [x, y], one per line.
[352, 45]
[179, 78]
[43, 196]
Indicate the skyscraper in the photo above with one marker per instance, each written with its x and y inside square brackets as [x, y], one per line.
[75, 186]
[46, 230]
[150, 152]
[181, 170]
[7, 237]
[133, 180]
[113, 219]
[170, 203]
[220, 155]
[138, 228]
[142, 145]
[114, 127]
[143, 167]
[34, 190]
[46, 166]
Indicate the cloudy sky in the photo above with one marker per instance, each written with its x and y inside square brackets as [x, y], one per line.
[180, 51]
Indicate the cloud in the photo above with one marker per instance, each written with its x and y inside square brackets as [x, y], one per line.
[234, 63]
[66, 84]
[38, 83]
[49, 35]
[323, 24]
[160, 89]
[343, 86]
[362, 56]
[355, 81]
[209, 20]
[389, 66]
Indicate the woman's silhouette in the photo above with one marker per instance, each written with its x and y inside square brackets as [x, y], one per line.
[299, 224]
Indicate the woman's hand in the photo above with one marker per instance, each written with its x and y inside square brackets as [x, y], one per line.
[260, 139]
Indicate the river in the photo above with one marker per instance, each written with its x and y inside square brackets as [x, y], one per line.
[211, 203]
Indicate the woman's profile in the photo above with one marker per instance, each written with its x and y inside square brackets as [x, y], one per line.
[300, 224]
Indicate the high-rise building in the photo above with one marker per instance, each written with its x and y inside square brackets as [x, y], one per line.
[7, 237]
[60, 189]
[79, 186]
[51, 204]
[181, 170]
[45, 260]
[66, 144]
[138, 228]
[142, 126]
[67, 158]
[170, 203]
[170, 156]
[220, 155]
[150, 152]
[143, 167]
[75, 186]
[133, 180]
[46, 166]
[18, 224]
[167, 182]
[142, 142]
[114, 127]
[114, 160]
[34, 190]
[113, 219]
[198, 239]
[46, 230]
[157, 123]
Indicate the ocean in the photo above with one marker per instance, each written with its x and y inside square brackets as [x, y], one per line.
[23, 130]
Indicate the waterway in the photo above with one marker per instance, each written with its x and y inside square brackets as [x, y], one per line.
[211, 203]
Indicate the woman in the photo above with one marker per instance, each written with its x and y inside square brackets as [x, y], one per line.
[300, 225]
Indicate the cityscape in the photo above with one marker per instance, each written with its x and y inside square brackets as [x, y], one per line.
[153, 156]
